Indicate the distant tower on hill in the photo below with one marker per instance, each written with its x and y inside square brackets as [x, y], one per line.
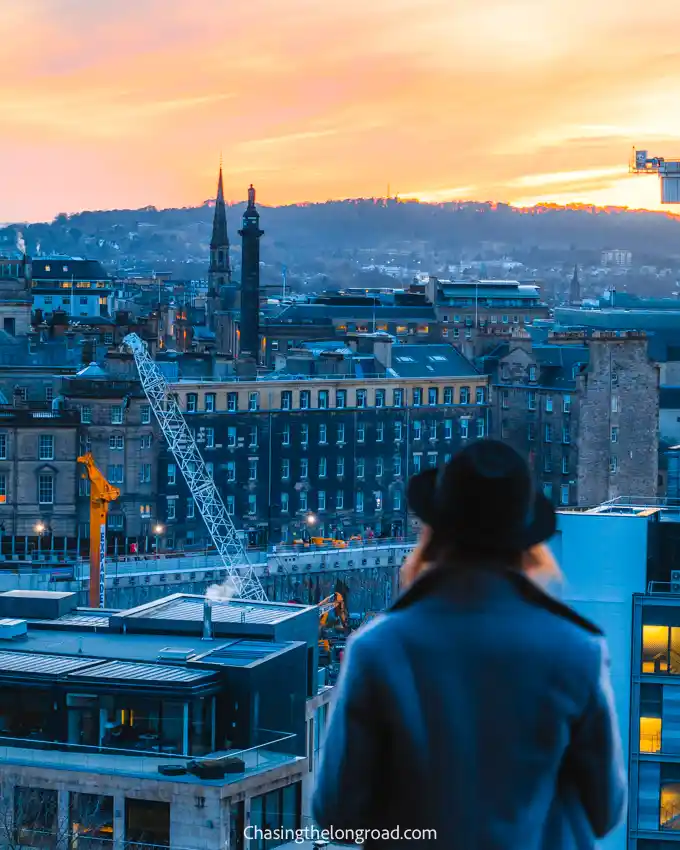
[575, 288]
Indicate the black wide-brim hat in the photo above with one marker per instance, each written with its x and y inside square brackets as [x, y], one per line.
[483, 498]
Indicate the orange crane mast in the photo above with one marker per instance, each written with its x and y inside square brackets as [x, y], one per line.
[101, 493]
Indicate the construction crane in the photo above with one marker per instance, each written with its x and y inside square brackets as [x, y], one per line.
[101, 493]
[241, 575]
[667, 169]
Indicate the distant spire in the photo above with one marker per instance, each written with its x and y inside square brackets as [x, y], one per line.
[220, 237]
[575, 288]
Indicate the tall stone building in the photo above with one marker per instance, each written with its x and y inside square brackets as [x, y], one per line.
[584, 409]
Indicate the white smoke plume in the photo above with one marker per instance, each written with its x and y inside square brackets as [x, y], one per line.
[21, 244]
[221, 592]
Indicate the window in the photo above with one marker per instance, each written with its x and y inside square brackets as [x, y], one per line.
[210, 438]
[547, 463]
[172, 474]
[117, 414]
[145, 442]
[361, 467]
[145, 473]
[46, 489]
[448, 395]
[548, 404]
[615, 404]
[284, 503]
[170, 513]
[380, 398]
[210, 402]
[396, 500]
[398, 398]
[361, 433]
[531, 400]
[547, 490]
[505, 399]
[192, 402]
[231, 505]
[417, 460]
[286, 400]
[465, 395]
[305, 399]
[285, 469]
[650, 734]
[548, 433]
[378, 500]
[615, 378]
[252, 469]
[323, 467]
[361, 398]
[379, 467]
[323, 399]
[341, 434]
[252, 443]
[285, 435]
[480, 395]
[341, 398]
[231, 470]
[417, 396]
[480, 427]
[232, 402]
[565, 464]
[432, 396]
[116, 442]
[566, 436]
[359, 502]
[432, 459]
[46, 447]
[190, 508]
[304, 434]
[417, 429]
[464, 428]
[303, 500]
[304, 468]
[532, 373]
[564, 494]
[566, 404]
[36, 814]
[448, 429]
[3, 488]
[531, 432]
[115, 472]
[613, 464]
[340, 500]
[505, 372]
[252, 504]
[615, 434]
[398, 427]
[396, 465]
[231, 437]
[379, 432]
[253, 400]
[340, 467]
[49, 394]
[321, 500]
[86, 415]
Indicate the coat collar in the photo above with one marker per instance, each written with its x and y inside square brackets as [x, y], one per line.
[433, 581]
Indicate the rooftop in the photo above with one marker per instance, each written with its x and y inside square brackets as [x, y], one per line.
[424, 361]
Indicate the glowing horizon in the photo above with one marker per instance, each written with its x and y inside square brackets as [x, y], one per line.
[129, 105]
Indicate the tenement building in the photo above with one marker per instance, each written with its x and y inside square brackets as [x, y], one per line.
[324, 447]
[584, 408]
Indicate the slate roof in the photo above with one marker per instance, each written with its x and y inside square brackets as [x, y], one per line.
[430, 361]
[65, 268]
[323, 313]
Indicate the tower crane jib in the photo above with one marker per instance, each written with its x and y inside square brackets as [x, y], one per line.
[180, 440]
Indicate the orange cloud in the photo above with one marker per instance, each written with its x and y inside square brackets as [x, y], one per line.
[130, 103]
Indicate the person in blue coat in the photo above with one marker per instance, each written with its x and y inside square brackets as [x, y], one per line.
[477, 712]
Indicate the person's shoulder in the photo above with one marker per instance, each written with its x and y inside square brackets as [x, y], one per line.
[536, 596]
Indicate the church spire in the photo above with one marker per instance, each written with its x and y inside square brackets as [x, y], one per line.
[220, 268]
[575, 288]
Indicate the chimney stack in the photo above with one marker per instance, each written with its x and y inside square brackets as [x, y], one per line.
[207, 620]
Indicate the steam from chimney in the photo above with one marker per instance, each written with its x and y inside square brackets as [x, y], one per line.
[21, 245]
[221, 592]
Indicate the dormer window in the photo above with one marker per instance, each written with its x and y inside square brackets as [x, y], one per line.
[532, 373]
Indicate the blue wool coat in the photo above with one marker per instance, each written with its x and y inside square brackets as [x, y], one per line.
[478, 708]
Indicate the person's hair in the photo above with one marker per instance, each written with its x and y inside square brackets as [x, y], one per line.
[456, 556]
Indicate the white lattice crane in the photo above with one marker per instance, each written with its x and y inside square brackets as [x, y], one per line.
[180, 440]
[667, 169]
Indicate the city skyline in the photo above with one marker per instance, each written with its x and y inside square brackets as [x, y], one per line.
[131, 104]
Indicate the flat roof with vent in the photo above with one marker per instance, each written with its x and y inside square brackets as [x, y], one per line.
[148, 675]
[245, 653]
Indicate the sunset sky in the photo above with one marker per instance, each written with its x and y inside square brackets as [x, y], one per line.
[126, 103]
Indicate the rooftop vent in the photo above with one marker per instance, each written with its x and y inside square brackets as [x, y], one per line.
[169, 653]
[10, 629]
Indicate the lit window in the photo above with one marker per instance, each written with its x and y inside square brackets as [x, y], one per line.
[650, 734]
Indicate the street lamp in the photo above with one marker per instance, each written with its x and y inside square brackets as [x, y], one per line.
[311, 519]
[40, 529]
[158, 529]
